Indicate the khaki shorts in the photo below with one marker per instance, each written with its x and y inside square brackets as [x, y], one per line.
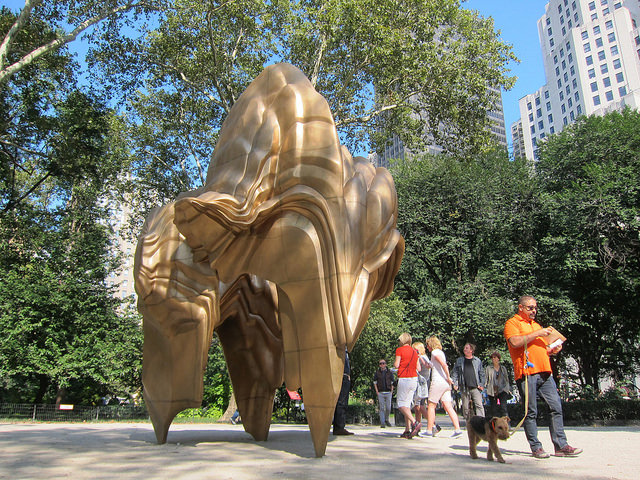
[440, 392]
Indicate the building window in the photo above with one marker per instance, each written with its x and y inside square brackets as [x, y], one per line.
[531, 117]
[549, 31]
[594, 17]
[614, 50]
[617, 5]
[539, 112]
[599, 42]
[564, 31]
[561, 52]
[546, 94]
[604, 68]
[587, 47]
[548, 106]
[557, 71]
[609, 95]
[573, 117]
[612, 37]
[637, 39]
[604, 2]
[559, 83]
[577, 96]
[537, 101]
[579, 110]
[575, 17]
[609, 24]
[551, 43]
[601, 55]
[542, 135]
[568, 90]
[573, 5]
[552, 130]
[570, 102]
[622, 91]
[548, 21]
[563, 108]
[564, 65]
[572, 70]
[616, 63]
[566, 77]
[589, 60]
[592, 73]
[594, 86]
[606, 81]
[596, 100]
[561, 96]
[568, 47]
[619, 77]
[574, 83]
[569, 23]
[533, 129]
[596, 30]
[592, 5]
[541, 125]
[585, 34]
[570, 57]
[564, 121]
[550, 118]
[528, 105]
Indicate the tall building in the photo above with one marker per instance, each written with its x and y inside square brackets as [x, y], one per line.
[591, 53]
[397, 150]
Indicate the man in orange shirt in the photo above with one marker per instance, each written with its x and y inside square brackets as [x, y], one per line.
[530, 355]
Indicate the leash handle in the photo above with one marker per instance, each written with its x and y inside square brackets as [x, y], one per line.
[526, 386]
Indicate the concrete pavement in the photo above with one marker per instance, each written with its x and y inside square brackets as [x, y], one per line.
[216, 451]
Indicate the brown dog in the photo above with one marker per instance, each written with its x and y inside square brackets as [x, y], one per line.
[490, 430]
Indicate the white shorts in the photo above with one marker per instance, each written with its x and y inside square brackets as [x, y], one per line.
[439, 392]
[406, 389]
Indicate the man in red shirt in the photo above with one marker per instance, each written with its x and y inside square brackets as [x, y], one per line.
[530, 355]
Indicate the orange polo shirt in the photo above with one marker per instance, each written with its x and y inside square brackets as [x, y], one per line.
[538, 355]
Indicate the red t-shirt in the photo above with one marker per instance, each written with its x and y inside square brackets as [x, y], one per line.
[538, 354]
[408, 361]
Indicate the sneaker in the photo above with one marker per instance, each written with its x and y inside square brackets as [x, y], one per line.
[435, 431]
[406, 435]
[415, 428]
[568, 451]
[233, 421]
[425, 435]
[456, 434]
[382, 425]
[438, 428]
[540, 453]
[387, 423]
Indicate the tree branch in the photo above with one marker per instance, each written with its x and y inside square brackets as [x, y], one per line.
[6, 72]
[15, 28]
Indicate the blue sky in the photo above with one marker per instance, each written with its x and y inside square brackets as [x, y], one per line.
[517, 20]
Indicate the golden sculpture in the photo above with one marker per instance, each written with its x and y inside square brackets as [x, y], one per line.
[281, 253]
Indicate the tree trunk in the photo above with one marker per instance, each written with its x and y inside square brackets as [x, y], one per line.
[226, 416]
[42, 388]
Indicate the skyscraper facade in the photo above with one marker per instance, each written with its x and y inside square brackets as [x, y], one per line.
[591, 53]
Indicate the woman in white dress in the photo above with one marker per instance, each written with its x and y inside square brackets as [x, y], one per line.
[440, 388]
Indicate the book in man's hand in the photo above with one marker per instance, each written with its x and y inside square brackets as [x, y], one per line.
[555, 339]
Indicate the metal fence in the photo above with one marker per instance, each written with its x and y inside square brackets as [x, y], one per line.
[70, 413]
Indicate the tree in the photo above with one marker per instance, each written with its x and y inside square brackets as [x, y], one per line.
[379, 339]
[58, 15]
[464, 227]
[405, 67]
[65, 334]
[590, 250]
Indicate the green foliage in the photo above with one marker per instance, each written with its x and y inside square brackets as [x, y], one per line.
[379, 339]
[590, 247]
[462, 224]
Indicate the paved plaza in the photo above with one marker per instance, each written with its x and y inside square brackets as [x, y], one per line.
[217, 451]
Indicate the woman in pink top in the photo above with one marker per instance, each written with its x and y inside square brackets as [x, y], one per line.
[407, 366]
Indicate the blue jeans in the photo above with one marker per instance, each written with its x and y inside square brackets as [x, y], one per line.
[384, 403]
[544, 386]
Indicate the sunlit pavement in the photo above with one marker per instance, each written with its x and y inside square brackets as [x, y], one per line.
[224, 451]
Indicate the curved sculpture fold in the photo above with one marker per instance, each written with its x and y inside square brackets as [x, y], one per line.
[289, 229]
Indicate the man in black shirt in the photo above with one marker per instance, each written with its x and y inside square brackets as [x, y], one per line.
[383, 383]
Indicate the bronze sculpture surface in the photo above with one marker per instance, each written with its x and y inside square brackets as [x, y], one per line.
[281, 253]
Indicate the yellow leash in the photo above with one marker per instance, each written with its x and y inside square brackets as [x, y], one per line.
[526, 388]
